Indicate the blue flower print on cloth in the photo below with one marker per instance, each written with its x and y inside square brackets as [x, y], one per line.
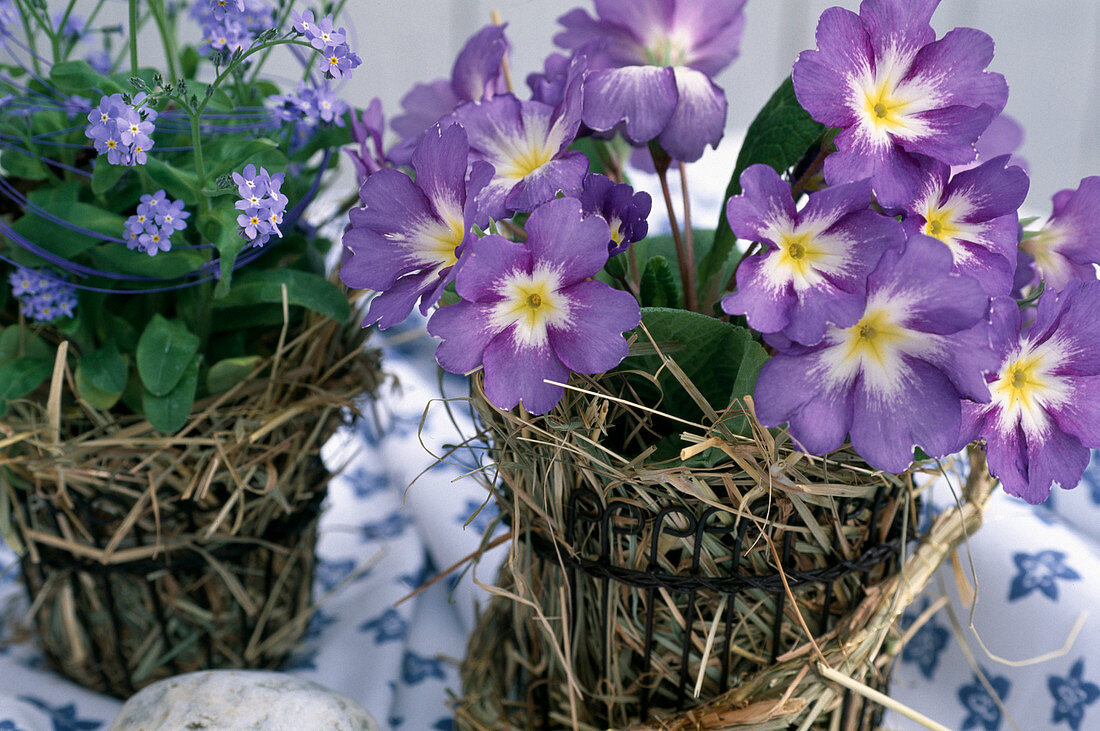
[486, 513]
[444, 724]
[391, 526]
[416, 668]
[1040, 571]
[1071, 694]
[64, 717]
[8, 725]
[926, 644]
[331, 572]
[389, 626]
[982, 712]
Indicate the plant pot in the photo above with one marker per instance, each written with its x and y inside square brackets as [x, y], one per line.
[684, 595]
[146, 555]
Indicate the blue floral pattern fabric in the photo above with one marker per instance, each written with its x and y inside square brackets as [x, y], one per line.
[387, 529]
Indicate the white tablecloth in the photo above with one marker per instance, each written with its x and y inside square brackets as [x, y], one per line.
[1038, 571]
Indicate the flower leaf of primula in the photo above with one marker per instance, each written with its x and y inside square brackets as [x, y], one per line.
[531, 312]
[407, 237]
[893, 380]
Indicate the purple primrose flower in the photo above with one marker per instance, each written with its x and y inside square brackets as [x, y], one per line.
[526, 143]
[406, 239]
[367, 133]
[897, 93]
[814, 268]
[895, 379]
[477, 75]
[624, 210]
[651, 63]
[1044, 414]
[530, 311]
[1069, 244]
[974, 213]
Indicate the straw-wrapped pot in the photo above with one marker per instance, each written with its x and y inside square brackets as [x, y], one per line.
[146, 555]
[652, 594]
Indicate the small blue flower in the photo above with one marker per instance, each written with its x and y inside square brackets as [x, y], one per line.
[391, 526]
[387, 627]
[1040, 571]
[982, 711]
[415, 669]
[1071, 694]
[444, 724]
[64, 717]
[926, 644]
[43, 296]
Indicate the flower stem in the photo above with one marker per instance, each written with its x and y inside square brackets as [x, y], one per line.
[660, 164]
[134, 26]
[810, 172]
[689, 240]
[167, 36]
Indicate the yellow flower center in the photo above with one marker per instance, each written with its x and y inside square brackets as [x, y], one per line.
[874, 337]
[940, 223]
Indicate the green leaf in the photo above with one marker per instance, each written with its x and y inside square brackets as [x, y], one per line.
[165, 265]
[177, 183]
[96, 397]
[110, 326]
[227, 373]
[164, 351]
[302, 288]
[658, 285]
[168, 412]
[63, 241]
[21, 376]
[189, 61]
[232, 152]
[14, 344]
[17, 163]
[721, 360]
[105, 368]
[780, 136]
[229, 243]
[105, 176]
[324, 139]
[77, 77]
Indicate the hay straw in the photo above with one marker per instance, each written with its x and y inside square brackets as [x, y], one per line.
[562, 645]
[148, 554]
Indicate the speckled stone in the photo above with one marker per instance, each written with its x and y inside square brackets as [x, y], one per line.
[240, 700]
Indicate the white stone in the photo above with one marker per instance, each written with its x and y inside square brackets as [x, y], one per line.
[224, 700]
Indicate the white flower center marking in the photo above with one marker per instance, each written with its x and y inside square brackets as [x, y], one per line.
[887, 103]
[1026, 388]
[532, 302]
[433, 241]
